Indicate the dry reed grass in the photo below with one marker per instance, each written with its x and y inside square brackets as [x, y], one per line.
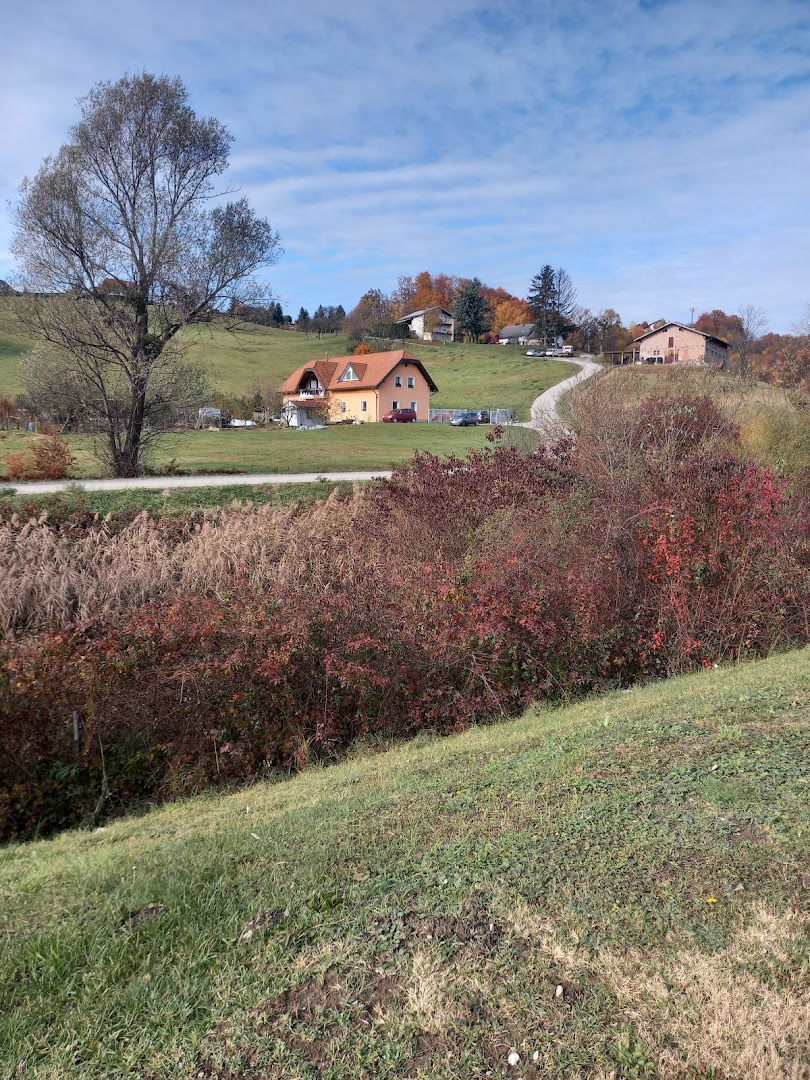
[52, 578]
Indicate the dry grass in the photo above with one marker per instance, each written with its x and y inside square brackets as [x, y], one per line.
[426, 993]
[52, 577]
[732, 1010]
[741, 1011]
[773, 423]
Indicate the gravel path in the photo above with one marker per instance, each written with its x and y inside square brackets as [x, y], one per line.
[160, 483]
[543, 413]
[544, 408]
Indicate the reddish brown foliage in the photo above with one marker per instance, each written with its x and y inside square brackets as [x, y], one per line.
[473, 587]
[49, 458]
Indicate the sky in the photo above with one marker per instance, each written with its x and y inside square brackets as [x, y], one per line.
[659, 150]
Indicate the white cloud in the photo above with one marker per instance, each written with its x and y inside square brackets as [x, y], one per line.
[659, 152]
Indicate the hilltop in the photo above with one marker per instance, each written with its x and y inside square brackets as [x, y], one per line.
[605, 890]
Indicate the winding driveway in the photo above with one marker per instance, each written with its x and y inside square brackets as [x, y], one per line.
[544, 408]
[543, 413]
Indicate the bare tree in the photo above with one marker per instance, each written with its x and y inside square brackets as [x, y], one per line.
[121, 247]
[753, 323]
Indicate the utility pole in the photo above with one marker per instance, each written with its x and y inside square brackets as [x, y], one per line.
[692, 320]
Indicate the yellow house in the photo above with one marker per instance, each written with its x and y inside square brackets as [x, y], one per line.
[362, 388]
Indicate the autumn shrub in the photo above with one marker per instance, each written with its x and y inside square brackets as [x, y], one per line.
[219, 649]
[48, 458]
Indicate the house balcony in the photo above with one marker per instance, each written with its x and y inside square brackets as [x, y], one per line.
[312, 393]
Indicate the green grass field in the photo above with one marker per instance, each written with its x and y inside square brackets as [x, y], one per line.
[475, 376]
[338, 448]
[171, 501]
[606, 890]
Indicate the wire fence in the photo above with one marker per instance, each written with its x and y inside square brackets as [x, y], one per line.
[469, 415]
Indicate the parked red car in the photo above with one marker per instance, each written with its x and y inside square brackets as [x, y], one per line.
[399, 416]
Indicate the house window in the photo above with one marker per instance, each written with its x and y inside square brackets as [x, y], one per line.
[363, 406]
[411, 382]
[413, 406]
[394, 404]
[397, 380]
[349, 375]
[343, 406]
[671, 342]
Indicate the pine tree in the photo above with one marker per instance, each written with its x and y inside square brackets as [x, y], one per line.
[303, 319]
[552, 300]
[541, 301]
[471, 311]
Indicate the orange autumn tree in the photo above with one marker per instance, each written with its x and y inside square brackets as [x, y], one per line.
[510, 312]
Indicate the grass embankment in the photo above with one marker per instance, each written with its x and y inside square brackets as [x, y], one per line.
[774, 425]
[170, 501]
[468, 376]
[607, 890]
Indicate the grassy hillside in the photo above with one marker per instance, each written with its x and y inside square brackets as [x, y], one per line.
[467, 375]
[605, 890]
[13, 346]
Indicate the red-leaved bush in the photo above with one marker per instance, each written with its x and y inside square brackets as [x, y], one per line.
[48, 458]
[457, 592]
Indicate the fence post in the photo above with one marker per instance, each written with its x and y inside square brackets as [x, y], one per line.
[77, 746]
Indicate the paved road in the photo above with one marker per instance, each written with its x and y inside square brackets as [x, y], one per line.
[543, 413]
[160, 483]
[544, 408]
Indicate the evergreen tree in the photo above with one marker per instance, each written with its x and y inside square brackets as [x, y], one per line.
[552, 302]
[471, 311]
[303, 319]
[541, 302]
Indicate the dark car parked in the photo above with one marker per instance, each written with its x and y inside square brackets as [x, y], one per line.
[399, 416]
[465, 418]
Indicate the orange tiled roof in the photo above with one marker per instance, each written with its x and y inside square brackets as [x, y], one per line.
[371, 369]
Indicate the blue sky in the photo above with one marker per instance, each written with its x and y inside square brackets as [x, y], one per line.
[659, 150]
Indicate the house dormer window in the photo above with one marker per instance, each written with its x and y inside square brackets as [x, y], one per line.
[349, 375]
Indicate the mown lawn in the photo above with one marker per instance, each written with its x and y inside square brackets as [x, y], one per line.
[337, 448]
[606, 890]
[468, 376]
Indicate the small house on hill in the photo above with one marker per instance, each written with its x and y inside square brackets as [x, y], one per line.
[674, 343]
[360, 388]
[430, 324]
[524, 334]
